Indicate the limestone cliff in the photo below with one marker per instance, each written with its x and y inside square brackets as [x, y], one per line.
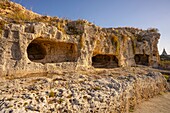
[35, 43]
[59, 60]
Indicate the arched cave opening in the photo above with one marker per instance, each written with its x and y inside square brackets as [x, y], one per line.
[142, 59]
[104, 61]
[49, 51]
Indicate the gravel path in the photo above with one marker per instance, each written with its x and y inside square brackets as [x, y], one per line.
[159, 104]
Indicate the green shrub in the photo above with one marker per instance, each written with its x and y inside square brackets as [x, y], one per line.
[167, 77]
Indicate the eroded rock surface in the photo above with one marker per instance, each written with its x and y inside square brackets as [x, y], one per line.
[96, 91]
[39, 47]
[49, 64]
[31, 43]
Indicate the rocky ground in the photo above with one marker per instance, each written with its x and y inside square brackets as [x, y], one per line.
[116, 90]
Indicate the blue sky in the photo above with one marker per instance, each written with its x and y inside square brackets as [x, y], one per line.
[111, 13]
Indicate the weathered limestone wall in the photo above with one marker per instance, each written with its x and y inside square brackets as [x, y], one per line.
[35, 47]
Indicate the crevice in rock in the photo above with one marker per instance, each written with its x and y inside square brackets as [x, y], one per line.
[15, 51]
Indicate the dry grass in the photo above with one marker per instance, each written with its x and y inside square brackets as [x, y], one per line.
[166, 76]
[164, 63]
[19, 14]
[15, 11]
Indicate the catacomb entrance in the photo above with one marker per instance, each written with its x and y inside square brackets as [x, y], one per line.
[142, 59]
[49, 51]
[104, 61]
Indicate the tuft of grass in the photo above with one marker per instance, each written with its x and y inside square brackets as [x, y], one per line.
[9, 106]
[82, 89]
[51, 94]
[26, 103]
[50, 102]
[85, 97]
[96, 88]
[131, 109]
[69, 96]
[161, 93]
[10, 99]
[167, 77]
[60, 100]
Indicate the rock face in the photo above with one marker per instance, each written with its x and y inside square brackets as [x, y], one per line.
[38, 47]
[44, 44]
[80, 93]
[58, 59]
